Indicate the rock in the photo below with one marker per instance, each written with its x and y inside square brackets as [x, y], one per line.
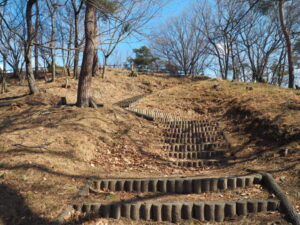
[133, 74]
[63, 101]
[282, 179]
[216, 86]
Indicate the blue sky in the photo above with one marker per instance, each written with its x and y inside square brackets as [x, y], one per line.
[173, 8]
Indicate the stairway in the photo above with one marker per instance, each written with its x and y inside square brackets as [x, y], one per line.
[187, 143]
[194, 143]
[174, 212]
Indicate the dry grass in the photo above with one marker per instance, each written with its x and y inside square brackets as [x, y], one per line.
[262, 122]
[278, 107]
[48, 152]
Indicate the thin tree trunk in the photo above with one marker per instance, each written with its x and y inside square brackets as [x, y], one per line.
[76, 45]
[288, 45]
[85, 79]
[69, 51]
[104, 66]
[36, 49]
[28, 48]
[53, 72]
[4, 84]
[234, 72]
[242, 67]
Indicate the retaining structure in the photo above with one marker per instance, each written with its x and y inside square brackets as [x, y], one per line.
[175, 212]
[177, 185]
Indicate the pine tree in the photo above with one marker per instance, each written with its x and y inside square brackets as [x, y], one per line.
[106, 7]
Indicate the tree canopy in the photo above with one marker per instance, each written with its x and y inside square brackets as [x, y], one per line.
[143, 58]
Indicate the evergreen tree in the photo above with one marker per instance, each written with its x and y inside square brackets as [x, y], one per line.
[143, 58]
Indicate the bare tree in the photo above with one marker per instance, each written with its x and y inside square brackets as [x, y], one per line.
[66, 37]
[28, 48]
[289, 46]
[52, 7]
[36, 48]
[221, 25]
[25, 20]
[11, 46]
[181, 43]
[126, 22]
[260, 39]
[76, 10]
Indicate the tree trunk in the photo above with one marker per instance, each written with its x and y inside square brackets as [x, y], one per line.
[105, 65]
[53, 72]
[28, 48]
[85, 79]
[288, 45]
[36, 49]
[16, 71]
[95, 62]
[76, 45]
[69, 51]
[4, 84]
[235, 76]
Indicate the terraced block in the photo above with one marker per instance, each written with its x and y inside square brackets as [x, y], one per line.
[220, 211]
[145, 212]
[174, 212]
[175, 185]
[196, 155]
[194, 147]
[129, 101]
[190, 126]
[116, 211]
[166, 212]
[135, 211]
[198, 212]
[184, 123]
[156, 210]
[191, 134]
[192, 130]
[241, 208]
[155, 115]
[198, 140]
[198, 164]
[187, 211]
[190, 121]
[230, 209]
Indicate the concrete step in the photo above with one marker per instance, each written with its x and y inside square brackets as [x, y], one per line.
[191, 134]
[197, 140]
[197, 155]
[192, 129]
[177, 185]
[177, 211]
[195, 147]
[200, 163]
[130, 101]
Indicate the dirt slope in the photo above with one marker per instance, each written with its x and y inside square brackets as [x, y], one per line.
[48, 152]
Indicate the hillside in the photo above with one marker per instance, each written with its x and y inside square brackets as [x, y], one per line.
[48, 152]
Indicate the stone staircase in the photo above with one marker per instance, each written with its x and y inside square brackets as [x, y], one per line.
[187, 143]
[194, 143]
